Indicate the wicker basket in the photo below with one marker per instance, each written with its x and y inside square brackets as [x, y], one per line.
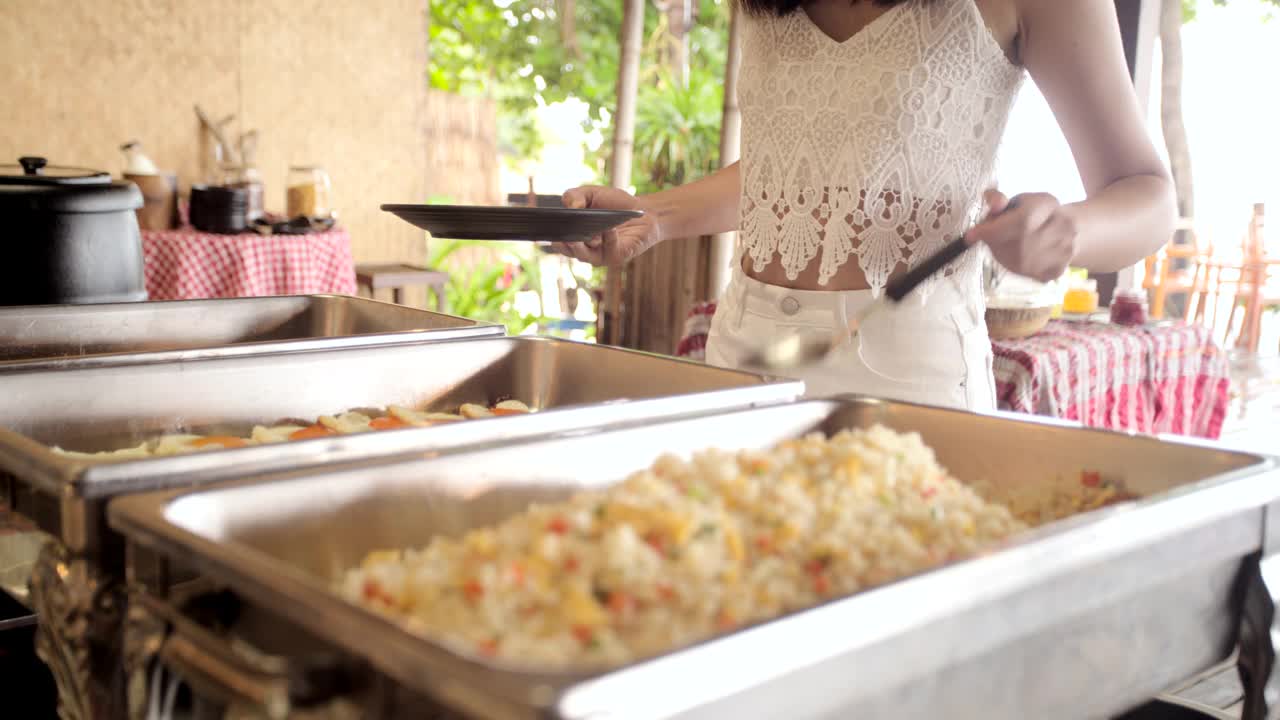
[1015, 323]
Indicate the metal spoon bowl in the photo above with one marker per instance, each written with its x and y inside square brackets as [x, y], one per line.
[793, 351]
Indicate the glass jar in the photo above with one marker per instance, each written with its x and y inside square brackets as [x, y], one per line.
[249, 179]
[308, 193]
[1081, 298]
[1129, 307]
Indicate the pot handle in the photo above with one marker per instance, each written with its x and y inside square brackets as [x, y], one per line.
[32, 165]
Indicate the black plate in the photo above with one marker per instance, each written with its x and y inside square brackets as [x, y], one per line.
[510, 223]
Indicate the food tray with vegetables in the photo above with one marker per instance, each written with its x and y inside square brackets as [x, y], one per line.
[68, 336]
[848, 557]
[569, 385]
[395, 417]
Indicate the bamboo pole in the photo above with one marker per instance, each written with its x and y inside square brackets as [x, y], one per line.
[722, 245]
[623, 146]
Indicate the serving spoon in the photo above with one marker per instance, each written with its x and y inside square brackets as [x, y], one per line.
[793, 351]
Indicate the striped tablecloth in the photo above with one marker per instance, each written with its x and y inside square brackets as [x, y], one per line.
[1166, 378]
[187, 264]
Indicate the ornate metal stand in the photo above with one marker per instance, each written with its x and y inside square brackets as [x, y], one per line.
[79, 631]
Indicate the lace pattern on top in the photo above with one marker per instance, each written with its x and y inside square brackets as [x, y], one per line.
[878, 147]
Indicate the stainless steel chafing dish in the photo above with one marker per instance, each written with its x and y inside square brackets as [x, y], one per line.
[1079, 619]
[61, 336]
[574, 386]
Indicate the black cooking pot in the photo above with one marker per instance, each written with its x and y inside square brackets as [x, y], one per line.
[69, 236]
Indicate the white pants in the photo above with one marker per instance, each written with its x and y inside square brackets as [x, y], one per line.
[934, 353]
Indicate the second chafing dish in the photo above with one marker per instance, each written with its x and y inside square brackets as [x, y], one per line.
[1083, 618]
[75, 581]
[77, 336]
[572, 385]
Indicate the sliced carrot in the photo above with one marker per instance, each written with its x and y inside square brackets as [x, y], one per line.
[570, 563]
[312, 431]
[473, 590]
[1091, 478]
[558, 525]
[508, 411]
[388, 422]
[225, 441]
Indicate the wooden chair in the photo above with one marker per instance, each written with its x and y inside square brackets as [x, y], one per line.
[1243, 273]
[1259, 286]
[399, 276]
[1162, 279]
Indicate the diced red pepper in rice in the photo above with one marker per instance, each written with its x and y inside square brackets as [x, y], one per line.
[585, 634]
[821, 584]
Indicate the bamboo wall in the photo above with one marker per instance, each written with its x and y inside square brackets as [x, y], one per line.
[339, 84]
[462, 149]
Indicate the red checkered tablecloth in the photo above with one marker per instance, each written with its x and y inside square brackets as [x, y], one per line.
[1168, 378]
[187, 264]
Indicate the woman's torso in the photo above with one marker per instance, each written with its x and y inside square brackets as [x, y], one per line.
[863, 155]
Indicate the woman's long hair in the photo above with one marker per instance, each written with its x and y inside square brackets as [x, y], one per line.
[786, 7]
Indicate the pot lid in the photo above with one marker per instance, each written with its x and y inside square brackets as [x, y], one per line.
[38, 171]
[34, 186]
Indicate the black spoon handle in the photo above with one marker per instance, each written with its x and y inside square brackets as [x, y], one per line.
[902, 286]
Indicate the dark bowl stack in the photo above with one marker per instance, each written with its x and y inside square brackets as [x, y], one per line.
[220, 210]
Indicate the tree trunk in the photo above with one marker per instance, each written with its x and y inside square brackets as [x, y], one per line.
[624, 129]
[722, 246]
[568, 30]
[1171, 122]
[679, 15]
[661, 286]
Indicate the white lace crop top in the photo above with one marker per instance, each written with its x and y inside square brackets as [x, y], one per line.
[878, 147]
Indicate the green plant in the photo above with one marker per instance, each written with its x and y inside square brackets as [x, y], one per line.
[678, 130]
[524, 53]
[486, 290]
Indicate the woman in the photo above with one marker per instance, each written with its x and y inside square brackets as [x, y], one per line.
[869, 131]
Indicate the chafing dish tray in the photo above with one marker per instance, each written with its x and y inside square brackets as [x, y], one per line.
[571, 385]
[55, 336]
[1082, 618]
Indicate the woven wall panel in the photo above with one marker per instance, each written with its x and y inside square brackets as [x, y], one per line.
[338, 84]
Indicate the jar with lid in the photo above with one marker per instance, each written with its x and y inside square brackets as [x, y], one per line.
[1081, 297]
[247, 178]
[308, 193]
[1129, 307]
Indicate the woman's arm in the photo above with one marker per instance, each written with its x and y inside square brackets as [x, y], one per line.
[703, 207]
[1074, 53]
[706, 206]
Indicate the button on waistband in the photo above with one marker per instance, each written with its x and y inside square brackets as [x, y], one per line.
[789, 305]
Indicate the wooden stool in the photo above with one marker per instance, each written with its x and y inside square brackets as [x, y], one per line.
[398, 276]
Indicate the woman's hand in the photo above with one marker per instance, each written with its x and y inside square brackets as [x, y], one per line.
[622, 243]
[1037, 238]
